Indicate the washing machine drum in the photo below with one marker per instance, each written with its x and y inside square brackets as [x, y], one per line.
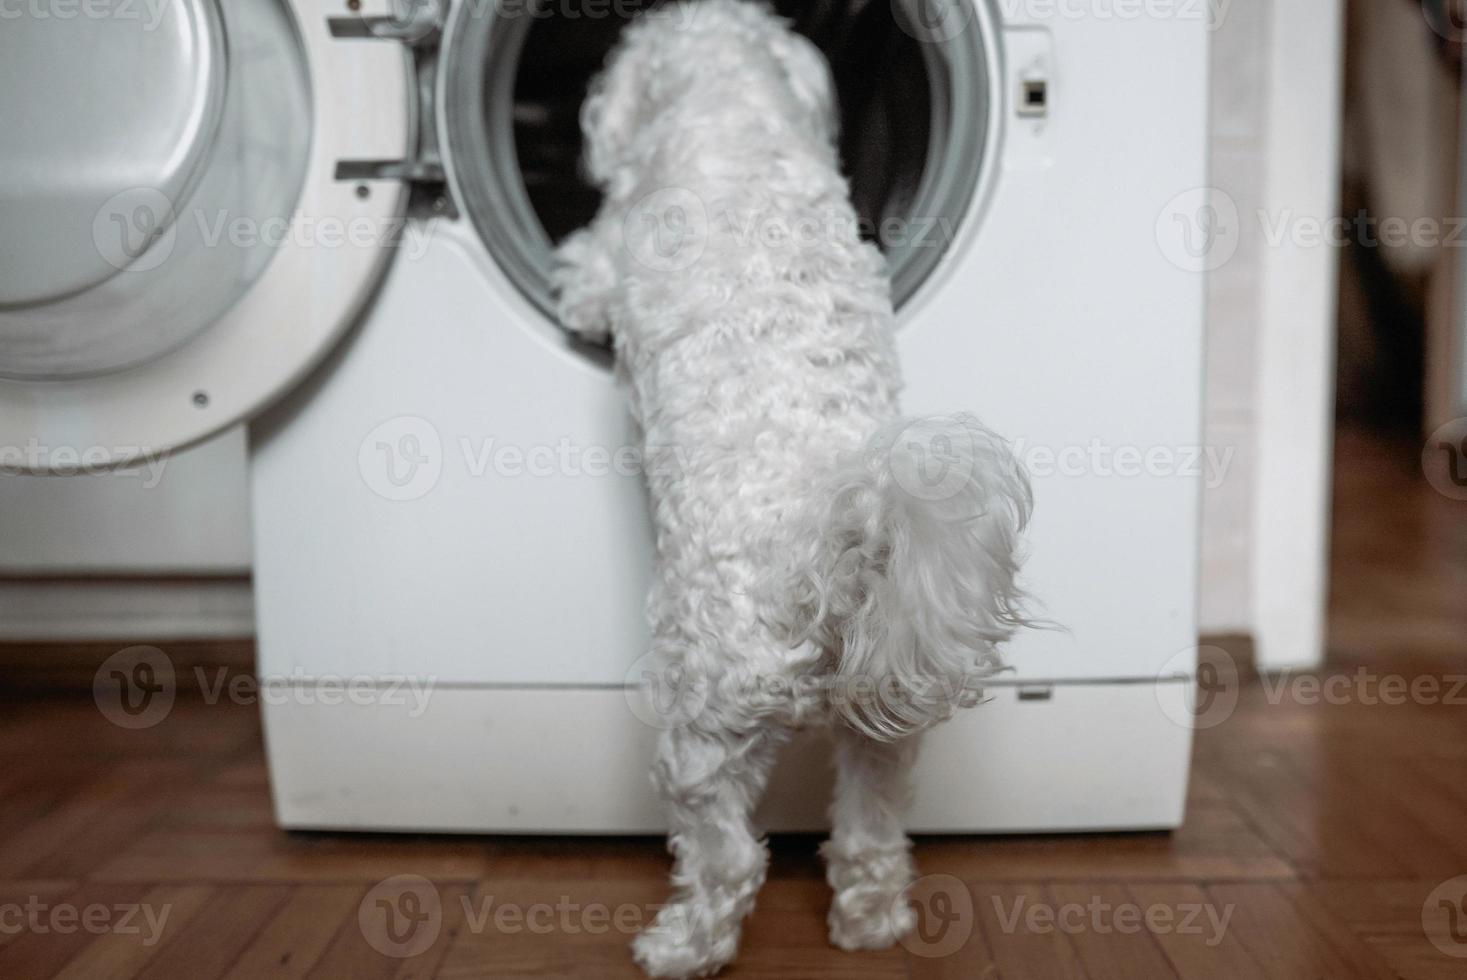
[155, 281]
[918, 91]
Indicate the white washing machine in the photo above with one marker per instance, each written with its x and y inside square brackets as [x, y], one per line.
[336, 220]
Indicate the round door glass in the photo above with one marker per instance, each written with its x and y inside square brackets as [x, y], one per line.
[149, 151]
[915, 101]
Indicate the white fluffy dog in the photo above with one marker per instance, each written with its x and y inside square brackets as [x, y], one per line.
[819, 557]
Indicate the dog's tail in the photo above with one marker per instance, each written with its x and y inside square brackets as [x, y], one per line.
[909, 574]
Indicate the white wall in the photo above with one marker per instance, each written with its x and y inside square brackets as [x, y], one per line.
[186, 514]
[160, 551]
[1272, 326]
[1239, 143]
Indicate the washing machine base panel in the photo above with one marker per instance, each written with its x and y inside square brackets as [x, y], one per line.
[1089, 757]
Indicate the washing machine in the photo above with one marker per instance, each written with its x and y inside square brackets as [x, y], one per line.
[334, 219]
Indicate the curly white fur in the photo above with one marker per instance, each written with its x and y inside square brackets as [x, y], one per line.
[806, 532]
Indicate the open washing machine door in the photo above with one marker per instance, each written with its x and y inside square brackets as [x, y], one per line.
[185, 230]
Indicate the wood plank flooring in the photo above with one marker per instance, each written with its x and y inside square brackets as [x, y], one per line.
[1325, 834]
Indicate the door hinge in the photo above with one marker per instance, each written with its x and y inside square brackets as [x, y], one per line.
[420, 28]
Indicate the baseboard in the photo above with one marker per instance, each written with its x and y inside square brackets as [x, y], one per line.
[140, 610]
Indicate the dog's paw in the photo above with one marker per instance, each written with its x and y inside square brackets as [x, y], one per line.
[585, 282]
[682, 942]
[869, 909]
[869, 918]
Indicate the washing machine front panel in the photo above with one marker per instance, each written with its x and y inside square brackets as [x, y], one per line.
[1069, 323]
[189, 254]
[1053, 315]
[416, 517]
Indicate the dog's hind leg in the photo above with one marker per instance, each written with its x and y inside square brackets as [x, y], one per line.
[711, 781]
[869, 857]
